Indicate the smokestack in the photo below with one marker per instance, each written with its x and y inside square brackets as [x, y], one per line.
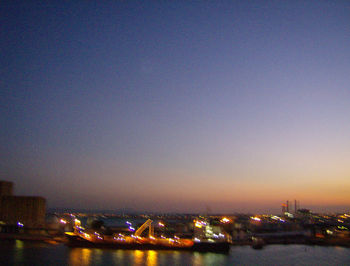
[295, 206]
[287, 205]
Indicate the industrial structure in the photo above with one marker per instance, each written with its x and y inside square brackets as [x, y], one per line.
[22, 211]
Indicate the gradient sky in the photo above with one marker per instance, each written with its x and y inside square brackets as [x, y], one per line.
[177, 105]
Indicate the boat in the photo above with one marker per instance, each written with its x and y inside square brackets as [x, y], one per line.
[83, 238]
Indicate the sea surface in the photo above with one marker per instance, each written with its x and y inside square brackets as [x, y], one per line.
[18, 252]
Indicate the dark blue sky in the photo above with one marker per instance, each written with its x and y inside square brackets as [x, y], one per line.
[238, 105]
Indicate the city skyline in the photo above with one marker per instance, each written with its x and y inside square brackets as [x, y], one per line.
[232, 106]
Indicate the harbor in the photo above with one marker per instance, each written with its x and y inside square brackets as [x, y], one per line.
[40, 253]
[81, 238]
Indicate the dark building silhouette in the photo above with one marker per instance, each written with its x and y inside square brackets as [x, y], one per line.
[6, 188]
[21, 210]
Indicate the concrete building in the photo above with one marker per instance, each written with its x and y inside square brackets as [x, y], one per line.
[6, 188]
[21, 210]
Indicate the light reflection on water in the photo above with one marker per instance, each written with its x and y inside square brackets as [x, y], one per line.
[138, 255]
[85, 256]
[197, 259]
[19, 248]
[152, 258]
[118, 257]
[29, 253]
[80, 256]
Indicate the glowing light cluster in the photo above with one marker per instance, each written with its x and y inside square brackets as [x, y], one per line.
[277, 218]
[225, 220]
[199, 223]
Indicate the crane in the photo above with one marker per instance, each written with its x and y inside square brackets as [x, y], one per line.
[143, 227]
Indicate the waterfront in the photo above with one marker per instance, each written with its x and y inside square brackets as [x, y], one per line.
[39, 253]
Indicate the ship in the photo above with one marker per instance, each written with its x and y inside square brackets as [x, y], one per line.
[82, 238]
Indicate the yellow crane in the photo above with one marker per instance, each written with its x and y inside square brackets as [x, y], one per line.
[143, 227]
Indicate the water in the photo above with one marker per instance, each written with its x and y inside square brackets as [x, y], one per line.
[31, 253]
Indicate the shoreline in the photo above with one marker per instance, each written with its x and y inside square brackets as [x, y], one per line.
[308, 242]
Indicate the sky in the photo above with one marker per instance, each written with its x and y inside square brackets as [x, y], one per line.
[177, 106]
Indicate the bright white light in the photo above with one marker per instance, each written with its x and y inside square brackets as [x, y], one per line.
[255, 219]
[225, 220]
